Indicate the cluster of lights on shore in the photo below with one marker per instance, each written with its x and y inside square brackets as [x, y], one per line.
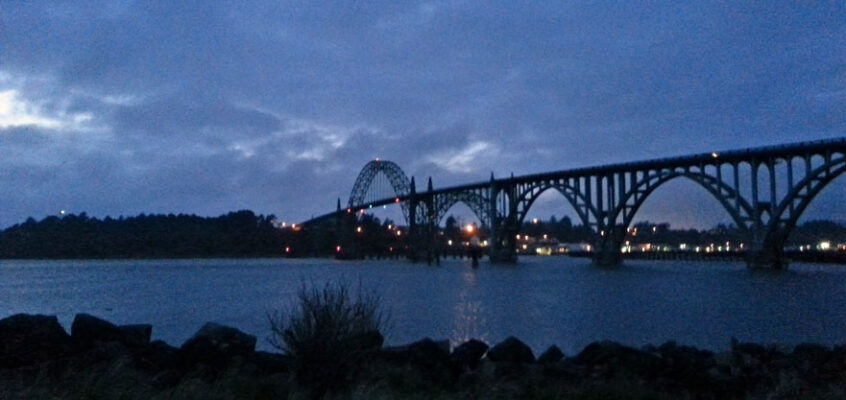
[543, 244]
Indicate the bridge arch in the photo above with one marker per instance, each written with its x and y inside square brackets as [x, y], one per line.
[574, 197]
[797, 200]
[740, 212]
[398, 179]
[478, 204]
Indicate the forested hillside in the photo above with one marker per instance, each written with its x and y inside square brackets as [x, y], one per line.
[237, 234]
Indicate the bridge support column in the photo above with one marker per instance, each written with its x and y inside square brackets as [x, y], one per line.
[502, 244]
[766, 252]
[607, 247]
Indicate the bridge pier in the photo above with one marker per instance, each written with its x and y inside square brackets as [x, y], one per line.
[607, 247]
[767, 252]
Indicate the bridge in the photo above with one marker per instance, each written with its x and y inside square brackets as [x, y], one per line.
[765, 190]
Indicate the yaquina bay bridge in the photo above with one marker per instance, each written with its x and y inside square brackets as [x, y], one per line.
[764, 190]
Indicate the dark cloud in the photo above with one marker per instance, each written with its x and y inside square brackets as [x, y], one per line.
[161, 106]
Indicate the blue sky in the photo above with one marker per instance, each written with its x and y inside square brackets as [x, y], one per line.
[122, 107]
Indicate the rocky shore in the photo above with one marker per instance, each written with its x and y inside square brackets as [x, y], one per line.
[101, 360]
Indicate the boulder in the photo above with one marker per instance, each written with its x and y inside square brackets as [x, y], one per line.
[469, 353]
[272, 363]
[87, 329]
[158, 356]
[552, 355]
[812, 359]
[609, 358]
[688, 366]
[428, 352]
[31, 339]
[511, 350]
[215, 344]
[136, 335]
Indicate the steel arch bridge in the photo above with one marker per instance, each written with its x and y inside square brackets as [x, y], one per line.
[765, 190]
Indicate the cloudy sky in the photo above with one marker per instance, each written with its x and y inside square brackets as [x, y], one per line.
[124, 107]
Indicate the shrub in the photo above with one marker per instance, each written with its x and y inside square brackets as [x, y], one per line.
[329, 334]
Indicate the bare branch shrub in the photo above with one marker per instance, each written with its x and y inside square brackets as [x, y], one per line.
[329, 334]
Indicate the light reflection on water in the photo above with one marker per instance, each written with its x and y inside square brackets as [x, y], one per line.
[541, 300]
[470, 321]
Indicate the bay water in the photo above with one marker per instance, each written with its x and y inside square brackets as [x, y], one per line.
[541, 300]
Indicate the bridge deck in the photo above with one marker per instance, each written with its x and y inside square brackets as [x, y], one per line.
[728, 156]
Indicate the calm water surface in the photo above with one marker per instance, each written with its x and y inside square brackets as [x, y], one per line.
[541, 300]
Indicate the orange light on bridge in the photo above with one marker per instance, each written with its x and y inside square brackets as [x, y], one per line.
[469, 228]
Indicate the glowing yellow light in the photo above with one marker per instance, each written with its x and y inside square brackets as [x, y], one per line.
[358, 229]
[449, 242]
[534, 220]
[714, 155]
[399, 233]
[469, 228]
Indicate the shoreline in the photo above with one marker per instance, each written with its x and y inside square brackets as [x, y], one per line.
[38, 357]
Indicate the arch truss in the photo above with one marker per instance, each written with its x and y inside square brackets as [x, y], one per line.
[764, 190]
[400, 183]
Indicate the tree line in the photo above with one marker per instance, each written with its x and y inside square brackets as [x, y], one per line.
[245, 234]
[236, 234]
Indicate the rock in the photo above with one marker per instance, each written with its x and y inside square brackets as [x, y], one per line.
[552, 355]
[158, 356]
[87, 329]
[214, 344]
[688, 366]
[428, 352]
[609, 358]
[468, 354]
[511, 350]
[137, 335]
[166, 379]
[31, 339]
[272, 363]
[810, 359]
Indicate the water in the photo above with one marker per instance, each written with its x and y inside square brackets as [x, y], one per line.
[542, 300]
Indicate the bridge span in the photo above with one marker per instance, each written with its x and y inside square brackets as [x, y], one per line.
[765, 190]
